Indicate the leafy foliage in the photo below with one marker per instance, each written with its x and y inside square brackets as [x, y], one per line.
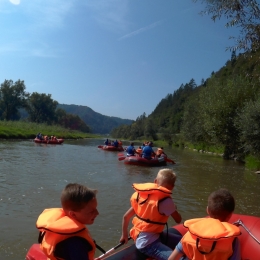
[248, 123]
[41, 108]
[243, 14]
[12, 97]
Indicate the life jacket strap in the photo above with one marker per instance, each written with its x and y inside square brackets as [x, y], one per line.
[41, 236]
[150, 221]
[202, 252]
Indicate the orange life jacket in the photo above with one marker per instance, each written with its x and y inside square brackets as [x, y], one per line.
[159, 151]
[58, 227]
[139, 151]
[209, 239]
[145, 203]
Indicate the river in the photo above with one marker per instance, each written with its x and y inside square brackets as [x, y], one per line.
[32, 177]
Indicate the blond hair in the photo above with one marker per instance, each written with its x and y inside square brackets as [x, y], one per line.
[166, 178]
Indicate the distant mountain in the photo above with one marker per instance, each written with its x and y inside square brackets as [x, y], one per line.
[97, 122]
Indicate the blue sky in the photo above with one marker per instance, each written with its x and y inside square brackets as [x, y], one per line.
[118, 57]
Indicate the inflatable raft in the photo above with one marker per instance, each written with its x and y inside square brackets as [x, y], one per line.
[249, 241]
[137, 160]
[111, 148]
[39, 141]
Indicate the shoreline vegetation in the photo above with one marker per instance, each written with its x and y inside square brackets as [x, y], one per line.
[251, 163]
[25, 130]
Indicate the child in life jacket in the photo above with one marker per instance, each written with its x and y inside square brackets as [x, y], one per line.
[211, 238]
[63, 234]
[152, 205]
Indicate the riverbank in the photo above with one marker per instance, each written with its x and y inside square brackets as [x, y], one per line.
[26, 130]
[251, 162]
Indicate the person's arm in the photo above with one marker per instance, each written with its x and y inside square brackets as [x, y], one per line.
[126, 218]
[236, 250]
[176, 216]
[175, 255]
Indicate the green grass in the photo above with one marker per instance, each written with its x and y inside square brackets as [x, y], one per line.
[25, 130]
[252, 163]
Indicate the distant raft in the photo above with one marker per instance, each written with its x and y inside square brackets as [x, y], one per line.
[111, 148]
[56, 141]
[137, 160]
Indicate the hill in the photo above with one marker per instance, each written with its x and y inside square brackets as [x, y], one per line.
[97, 122]
[221, 113]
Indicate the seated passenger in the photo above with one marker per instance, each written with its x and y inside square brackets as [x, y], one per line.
[116, 143]
[148, 152]
[130, 150]
[106, 142]
[160, 152]
[213, 237]
[63, 231]
[139, 151]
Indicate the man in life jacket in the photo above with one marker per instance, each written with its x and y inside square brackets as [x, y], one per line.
[130, 150]
[151, 206]
[63, 234]
[148, 152]
[211, 238]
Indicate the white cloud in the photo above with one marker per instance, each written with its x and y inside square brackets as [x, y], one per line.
[109, 13]
[141, 30]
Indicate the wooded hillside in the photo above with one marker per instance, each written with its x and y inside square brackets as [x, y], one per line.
[223, 110]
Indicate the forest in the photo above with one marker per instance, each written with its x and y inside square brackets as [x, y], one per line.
[222, 112]
[15, 102]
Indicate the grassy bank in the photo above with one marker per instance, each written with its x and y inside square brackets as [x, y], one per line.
[25, 130]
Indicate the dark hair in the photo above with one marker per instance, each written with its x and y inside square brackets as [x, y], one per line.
[221, 204]
[75, 196]
[132, 144]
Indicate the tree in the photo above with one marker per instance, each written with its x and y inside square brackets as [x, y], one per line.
[41, 108]
[249, 125]
[243, 14]
[12, 97]
[73, 122]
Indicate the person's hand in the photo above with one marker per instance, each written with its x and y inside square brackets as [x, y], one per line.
[123, 239]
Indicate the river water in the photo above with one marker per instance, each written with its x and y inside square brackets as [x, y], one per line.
[32, 177]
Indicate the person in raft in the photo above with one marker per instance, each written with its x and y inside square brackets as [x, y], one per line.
[130, 150]
[63, 234]
[152, 205]
[115, 143]
[211, 238]
[160, 152]
[148, 151]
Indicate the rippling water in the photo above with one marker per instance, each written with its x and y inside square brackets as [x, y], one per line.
[33, 175]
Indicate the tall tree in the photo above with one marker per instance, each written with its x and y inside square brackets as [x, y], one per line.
[12, 97]
[243, 14]
[41, 108]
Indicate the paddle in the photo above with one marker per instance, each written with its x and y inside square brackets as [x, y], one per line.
[111, 250]
[169, 160]
[121, 156]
